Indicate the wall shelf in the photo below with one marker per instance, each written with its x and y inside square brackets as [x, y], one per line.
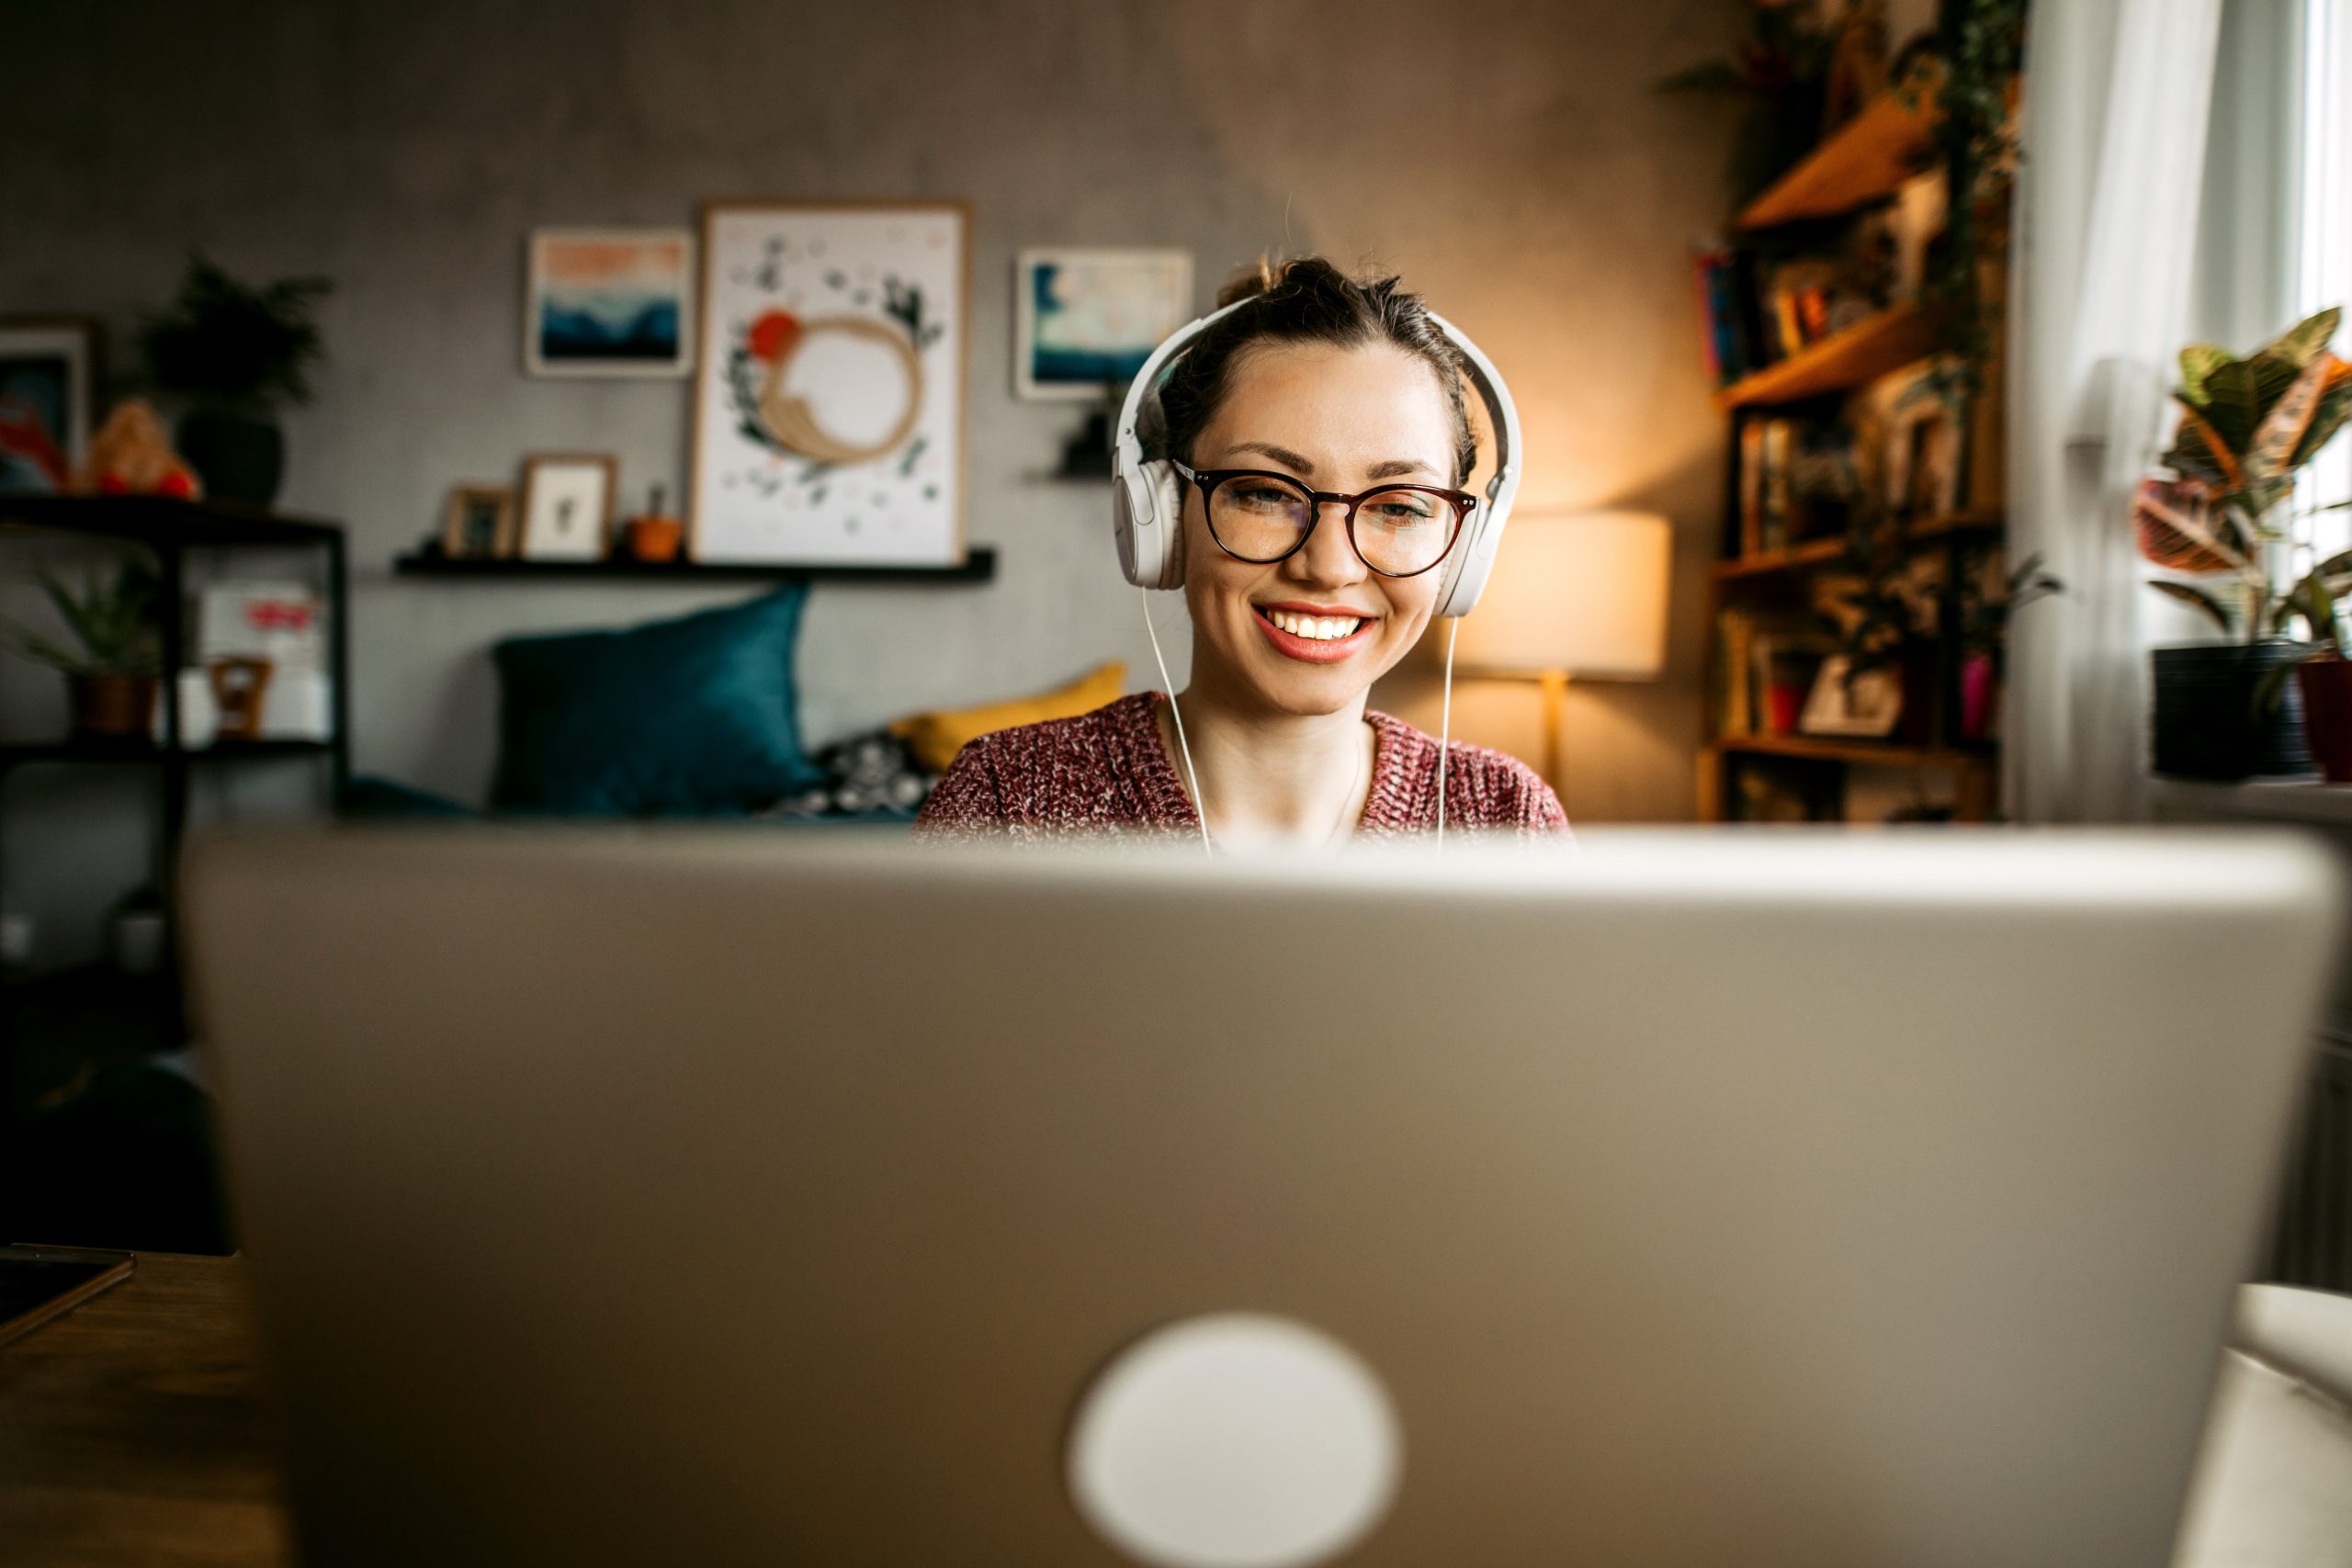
[1819, 552]
[978, 566]
[1842, 361]
[1873, 754]
[1863, 161]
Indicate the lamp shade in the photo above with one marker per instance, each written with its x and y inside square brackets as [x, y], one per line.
[1583, 592]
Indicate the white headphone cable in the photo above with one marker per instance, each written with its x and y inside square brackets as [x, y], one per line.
[1445, 728]
[1200, 806]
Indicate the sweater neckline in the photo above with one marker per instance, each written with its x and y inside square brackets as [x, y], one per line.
[1166, 800]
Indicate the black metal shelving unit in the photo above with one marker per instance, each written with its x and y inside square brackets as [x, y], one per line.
[168, 529]
[978, 565]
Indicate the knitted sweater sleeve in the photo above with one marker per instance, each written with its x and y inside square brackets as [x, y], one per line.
[965, 803]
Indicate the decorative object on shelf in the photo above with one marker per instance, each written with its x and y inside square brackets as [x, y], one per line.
[239, 686]
[47, 372]
[1085, 320]
[2247, 426]
[609, 303]
[131, 455]
[1577, 595]
[479, 523]
[1923, 456]
[829, 424]
[1846, 701]
[235, 354]
[568, 505]
[654, 536]
[110, 678]
[1989, 600]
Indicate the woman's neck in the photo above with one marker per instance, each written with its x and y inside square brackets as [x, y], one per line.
[1271, 778]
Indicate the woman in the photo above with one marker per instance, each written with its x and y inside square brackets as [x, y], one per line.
[1321, 391]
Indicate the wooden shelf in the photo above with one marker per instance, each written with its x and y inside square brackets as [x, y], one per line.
[97, 749]
[1875, 754]
[161, 520]
[1854, 358]
[978, 566]
[1861, 161]
[1817, 552]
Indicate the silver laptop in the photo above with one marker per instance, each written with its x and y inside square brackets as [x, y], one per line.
[766, 1198]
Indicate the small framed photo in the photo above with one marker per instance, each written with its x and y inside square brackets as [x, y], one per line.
[480, 524]
[48, 373]
[610, 302]
[1868, 706]
[568, 505]
[1086, 320]
[1924, 450]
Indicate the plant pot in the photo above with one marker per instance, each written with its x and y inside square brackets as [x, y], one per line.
[1979, 697]
[117, 706]
[239, 459]
[2327, 715]
[2206, 722]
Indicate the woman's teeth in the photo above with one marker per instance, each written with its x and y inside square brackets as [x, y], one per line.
[1315, 628]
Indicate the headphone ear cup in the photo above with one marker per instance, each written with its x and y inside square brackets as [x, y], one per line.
[1469, 579]
[1168, 504]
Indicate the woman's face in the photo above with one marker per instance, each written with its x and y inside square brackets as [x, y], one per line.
[1340, 421]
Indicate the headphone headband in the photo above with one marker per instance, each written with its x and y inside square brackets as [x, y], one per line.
[1146, 497]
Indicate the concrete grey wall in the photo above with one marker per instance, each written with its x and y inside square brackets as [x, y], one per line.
[1507, 156]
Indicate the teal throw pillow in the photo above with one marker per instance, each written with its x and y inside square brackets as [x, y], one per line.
[693, 717]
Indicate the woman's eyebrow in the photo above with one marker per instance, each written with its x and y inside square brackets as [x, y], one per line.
[1294, 460]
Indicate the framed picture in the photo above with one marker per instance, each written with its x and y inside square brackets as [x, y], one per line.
[1868, 706]
[1086, 321]
[567, 507]
[1924, 451]
[609, 303]
[479, 523]
[829, 400]
[48, 370]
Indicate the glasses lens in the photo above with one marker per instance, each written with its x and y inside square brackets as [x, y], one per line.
[1404, 531]
[1260, 519]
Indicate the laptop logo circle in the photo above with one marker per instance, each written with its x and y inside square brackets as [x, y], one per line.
[1234, 1441]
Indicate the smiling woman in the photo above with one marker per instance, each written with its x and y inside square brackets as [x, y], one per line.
[1320, 435]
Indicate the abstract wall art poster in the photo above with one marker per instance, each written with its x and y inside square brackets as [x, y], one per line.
[829, 403]
[1086, 321]
[609, 303]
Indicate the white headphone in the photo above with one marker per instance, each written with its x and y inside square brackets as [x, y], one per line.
[1147, 498]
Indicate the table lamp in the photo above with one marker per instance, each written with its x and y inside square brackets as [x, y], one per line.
[1574, 594]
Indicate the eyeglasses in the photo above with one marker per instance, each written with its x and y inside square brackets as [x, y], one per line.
[1397, 530]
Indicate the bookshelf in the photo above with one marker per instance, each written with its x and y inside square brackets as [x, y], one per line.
[1859, 162]
[1841, 362]
[1794, 396]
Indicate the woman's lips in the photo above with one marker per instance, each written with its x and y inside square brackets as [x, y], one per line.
[1312, 650]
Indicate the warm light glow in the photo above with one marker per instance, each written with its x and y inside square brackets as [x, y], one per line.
[1583, 592]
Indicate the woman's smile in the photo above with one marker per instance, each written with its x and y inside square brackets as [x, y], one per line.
[1317, 634]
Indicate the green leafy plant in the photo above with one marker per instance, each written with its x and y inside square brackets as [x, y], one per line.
[112, 616]
[222, 344]
[1984, 618]
[2247, 426]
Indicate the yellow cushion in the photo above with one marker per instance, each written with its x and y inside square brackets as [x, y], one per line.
[936, 737]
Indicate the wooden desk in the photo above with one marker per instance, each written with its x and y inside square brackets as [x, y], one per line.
[132, 1429]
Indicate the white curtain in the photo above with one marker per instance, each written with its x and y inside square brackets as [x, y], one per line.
[2117, 95]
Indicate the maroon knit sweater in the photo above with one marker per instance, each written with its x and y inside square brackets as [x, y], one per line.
[1107, 771]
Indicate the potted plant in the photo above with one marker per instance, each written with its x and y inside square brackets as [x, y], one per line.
[1985, 641]
[2247, 426]
[235, 354]
[110, 681]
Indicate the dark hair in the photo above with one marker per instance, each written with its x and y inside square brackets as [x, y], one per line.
[1306, 300]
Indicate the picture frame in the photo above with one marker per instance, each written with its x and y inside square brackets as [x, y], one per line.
[1868, 706]
[568, 505]
[48, 400]
[828, 413]
[479, 523]
[1085, 319]
[1925, 453]
[609, 303]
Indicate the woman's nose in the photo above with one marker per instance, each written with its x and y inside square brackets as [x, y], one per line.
[1328, 558]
